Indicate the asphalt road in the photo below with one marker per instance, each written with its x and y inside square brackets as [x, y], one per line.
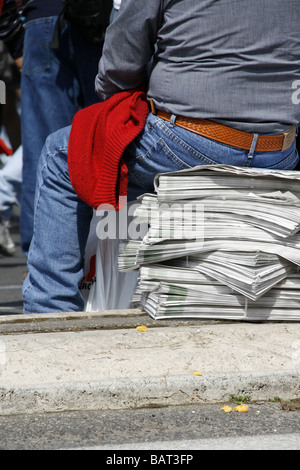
[12, 269]
[265, 426]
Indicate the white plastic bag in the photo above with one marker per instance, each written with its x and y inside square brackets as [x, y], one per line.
[103, 286]
[89, 273]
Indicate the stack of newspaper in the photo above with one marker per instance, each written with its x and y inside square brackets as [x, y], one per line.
[223, 242]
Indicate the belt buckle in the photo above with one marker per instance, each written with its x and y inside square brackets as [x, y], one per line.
[152, 106]
[289, 137]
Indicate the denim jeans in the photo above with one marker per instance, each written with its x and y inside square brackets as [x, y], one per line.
[61, 225]
[113, 15]
[55, 84]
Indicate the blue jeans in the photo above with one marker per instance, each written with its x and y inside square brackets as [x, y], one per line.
[61, 226]
[55, 84]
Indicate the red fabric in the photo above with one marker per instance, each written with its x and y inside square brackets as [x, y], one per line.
[4, 148]
[99, 135]
[1, 5]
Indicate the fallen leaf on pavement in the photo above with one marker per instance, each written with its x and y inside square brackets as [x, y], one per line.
[242, 408]
[226, 409]
[141, 328]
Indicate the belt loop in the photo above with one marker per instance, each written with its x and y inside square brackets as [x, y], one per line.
[253, 145]
[172, 120]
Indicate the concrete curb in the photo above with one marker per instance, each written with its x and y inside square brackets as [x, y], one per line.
[42, 372]
[139, 393]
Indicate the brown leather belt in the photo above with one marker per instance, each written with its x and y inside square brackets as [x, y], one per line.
[229, 136]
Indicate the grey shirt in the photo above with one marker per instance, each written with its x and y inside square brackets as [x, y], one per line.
[231, 61]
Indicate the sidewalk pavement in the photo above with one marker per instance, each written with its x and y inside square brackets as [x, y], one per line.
[88, 361]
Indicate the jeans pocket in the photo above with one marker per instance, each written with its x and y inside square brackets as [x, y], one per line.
[159, 158]
[38, 36]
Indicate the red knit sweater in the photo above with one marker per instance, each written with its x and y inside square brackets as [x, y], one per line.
[99, 136]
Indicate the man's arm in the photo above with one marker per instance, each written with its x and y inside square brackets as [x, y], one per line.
[129, 46]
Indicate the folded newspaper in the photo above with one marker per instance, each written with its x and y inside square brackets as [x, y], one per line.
[223, 242]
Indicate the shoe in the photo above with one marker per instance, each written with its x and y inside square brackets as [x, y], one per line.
[7, 246]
